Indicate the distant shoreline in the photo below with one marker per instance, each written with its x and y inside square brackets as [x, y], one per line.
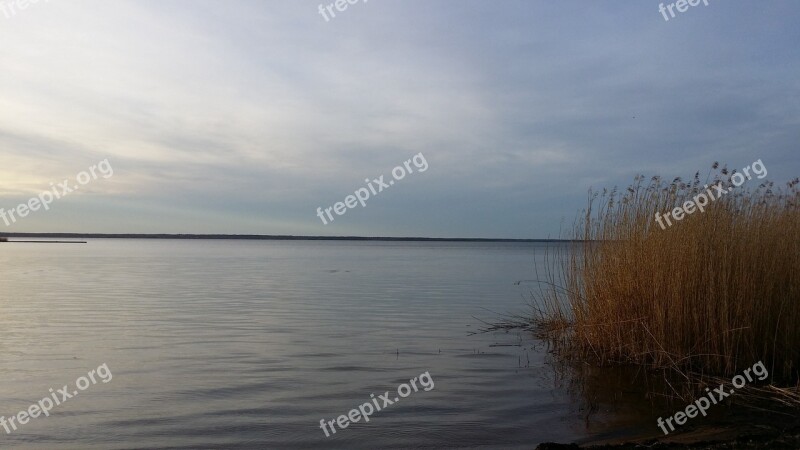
[44, 242]
[262, 237]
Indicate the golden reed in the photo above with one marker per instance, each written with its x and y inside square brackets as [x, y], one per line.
[711, 294]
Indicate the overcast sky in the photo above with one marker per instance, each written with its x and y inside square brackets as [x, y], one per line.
[246, 116]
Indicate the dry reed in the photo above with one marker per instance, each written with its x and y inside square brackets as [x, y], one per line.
[710, 295]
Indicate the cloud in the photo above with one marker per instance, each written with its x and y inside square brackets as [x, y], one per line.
[245, 118]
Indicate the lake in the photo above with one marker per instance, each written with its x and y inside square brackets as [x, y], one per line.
[249, 344]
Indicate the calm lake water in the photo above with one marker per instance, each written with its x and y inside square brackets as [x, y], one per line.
[248, 344]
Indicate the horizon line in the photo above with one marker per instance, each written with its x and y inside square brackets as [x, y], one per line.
[265, 237]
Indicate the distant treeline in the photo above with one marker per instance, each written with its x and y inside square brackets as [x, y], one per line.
[261, 237]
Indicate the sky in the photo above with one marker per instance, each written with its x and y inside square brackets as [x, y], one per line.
[246, 116]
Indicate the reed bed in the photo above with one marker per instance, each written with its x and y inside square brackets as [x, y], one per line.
[712, 294]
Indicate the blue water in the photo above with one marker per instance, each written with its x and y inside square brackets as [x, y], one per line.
[249, 344]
